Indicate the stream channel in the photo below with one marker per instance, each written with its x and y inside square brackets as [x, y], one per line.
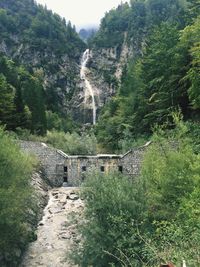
[56, 231]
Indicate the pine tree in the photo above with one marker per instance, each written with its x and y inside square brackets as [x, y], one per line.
[6, 103]
[34, 98]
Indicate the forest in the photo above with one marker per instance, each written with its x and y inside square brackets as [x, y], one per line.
[156, 219]
[162, 78]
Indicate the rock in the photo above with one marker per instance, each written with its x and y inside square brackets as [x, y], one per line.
[65, 235]
[49, 210]
[63, 200]
[64, 225]
[73, 196]
[59, 232]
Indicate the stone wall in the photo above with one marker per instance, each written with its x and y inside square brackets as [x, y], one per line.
[59, 167]
[77, 167]
[132, 161]
[52, 160]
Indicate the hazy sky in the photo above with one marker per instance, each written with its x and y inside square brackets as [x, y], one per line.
[81, 12]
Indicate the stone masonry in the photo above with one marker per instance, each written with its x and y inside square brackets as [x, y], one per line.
[77, 167]
[60, 168]
[51, 160]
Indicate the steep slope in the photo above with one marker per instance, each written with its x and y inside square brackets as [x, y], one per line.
[142, 51]
[122, 37]
[43, 42]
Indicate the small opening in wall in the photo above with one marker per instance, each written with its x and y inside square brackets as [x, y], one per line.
[65, 169]
[83, 168]
[102, 168]
[120, 169]
[65, 179]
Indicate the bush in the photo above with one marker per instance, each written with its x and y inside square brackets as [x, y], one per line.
[172, 176]
[152, 220]
[73, 144]
[112, 217]
[15, 201]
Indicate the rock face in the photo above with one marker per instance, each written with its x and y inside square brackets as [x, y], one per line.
[53, 51]
[105, 67]
[46, 45]
[60, 73]
[57, 231]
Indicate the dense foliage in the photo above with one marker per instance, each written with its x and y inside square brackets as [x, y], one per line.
[163, 75]
[74, 143]
[38, 27]
[22, 98]
[71, 143]
[16, 202]
[148, 221]
[137, 19]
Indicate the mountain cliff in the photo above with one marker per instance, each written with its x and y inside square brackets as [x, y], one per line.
[43, 42]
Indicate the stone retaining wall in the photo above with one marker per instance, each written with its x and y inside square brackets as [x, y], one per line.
[51, 160]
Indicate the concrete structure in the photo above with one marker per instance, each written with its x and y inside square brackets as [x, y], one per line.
[60, 168]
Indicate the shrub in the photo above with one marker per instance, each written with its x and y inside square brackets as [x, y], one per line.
[72, 143]
[113, 214]
[15, 201]
[151, 220]
[172, 176]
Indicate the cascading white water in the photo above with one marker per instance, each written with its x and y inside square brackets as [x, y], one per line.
[89, 92]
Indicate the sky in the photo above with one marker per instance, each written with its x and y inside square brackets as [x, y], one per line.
[81, 13]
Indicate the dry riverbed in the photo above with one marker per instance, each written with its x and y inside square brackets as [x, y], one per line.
[56, 231]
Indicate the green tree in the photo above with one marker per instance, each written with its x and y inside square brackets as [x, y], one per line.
[190, 39]
[163, 67]
[34, 98]
[6, 103]
[17, 210]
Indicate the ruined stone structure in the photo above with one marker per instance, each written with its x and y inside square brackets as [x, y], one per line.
[77, 167]
[60, 168]
[51, 160]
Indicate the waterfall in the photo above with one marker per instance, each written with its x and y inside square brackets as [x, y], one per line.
[89, 92]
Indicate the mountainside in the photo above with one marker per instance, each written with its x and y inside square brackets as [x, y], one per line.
[123, 33]
[142, 63]
[122, 38]
[147, 52]
[42, 41]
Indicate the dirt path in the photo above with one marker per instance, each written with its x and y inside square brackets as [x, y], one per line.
[57, 231]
